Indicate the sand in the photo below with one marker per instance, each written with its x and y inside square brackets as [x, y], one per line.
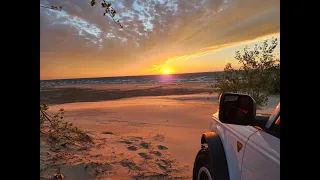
[101, 92]
[140, 137]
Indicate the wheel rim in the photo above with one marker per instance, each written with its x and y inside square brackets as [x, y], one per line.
[204, 174]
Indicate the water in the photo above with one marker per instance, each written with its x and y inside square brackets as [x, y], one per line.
[205, 77]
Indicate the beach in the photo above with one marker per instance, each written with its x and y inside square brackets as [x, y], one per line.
[144, 131]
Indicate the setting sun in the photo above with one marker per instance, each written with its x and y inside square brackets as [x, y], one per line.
[166, 71]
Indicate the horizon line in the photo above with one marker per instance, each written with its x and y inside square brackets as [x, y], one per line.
[128, 76]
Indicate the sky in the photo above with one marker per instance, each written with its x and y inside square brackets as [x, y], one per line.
[179, 36]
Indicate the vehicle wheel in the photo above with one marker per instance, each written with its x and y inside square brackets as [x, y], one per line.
[202, 169]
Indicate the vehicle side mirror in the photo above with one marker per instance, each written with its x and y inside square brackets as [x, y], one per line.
[237, 109]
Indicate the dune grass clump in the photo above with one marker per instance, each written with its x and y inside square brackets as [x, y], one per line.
[55, 130]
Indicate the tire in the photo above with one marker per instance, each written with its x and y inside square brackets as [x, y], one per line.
[203, 169]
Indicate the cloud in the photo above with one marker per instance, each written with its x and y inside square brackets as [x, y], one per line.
[155, 31]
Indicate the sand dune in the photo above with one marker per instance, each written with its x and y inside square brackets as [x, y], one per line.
[113, 157]
[152, 137]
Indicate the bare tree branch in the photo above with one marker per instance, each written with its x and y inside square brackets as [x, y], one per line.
[52, 7]
[108, 10]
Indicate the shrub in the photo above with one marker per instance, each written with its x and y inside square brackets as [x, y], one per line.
[258, 76]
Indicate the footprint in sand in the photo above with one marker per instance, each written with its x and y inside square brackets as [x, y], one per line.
[163, 164]
[130, 140]
[126, 142]
[136, 138]
[107, 132]
[132, 148]
[144, 155]
[162, 147]
[159, 137]
[129, 164]
[157, 153]
[145, 145]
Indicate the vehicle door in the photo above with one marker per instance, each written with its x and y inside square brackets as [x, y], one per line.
[261, 159]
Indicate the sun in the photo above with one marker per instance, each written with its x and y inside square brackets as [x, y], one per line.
[166, 71]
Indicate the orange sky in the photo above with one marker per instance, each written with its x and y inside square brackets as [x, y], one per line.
[181, 36]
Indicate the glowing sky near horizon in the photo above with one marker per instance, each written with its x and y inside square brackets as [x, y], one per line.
[179, 35]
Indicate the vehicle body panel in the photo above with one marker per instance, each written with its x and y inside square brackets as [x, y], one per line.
[231, 134]
[261, 157]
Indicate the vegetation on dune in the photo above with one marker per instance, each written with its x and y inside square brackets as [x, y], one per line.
[55, 134]
[55, 131]
[258, 76]
[53, 128]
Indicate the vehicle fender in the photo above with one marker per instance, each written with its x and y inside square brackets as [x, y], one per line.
[216, 154]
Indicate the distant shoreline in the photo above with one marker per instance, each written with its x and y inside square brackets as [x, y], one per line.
[104, 92]
[214, 72]
[190, 78]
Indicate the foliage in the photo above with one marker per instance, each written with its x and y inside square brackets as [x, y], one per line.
[258, 76]
[63, 139]
[108, 10]
[274, 87]
[52, 7]
[106, 5]
[55, 130]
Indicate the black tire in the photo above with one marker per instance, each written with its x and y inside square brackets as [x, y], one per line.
[202, 168]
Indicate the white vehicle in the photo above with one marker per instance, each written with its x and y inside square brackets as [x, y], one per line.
[240, 144]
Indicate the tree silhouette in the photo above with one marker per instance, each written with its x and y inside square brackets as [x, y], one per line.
[108, 9]
[258, 76]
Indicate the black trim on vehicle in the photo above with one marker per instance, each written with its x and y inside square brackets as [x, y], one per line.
[274, 129]
[260, 121]
[217, 155]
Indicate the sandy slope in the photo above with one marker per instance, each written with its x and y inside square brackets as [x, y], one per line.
[174, 124]
[155, 137]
